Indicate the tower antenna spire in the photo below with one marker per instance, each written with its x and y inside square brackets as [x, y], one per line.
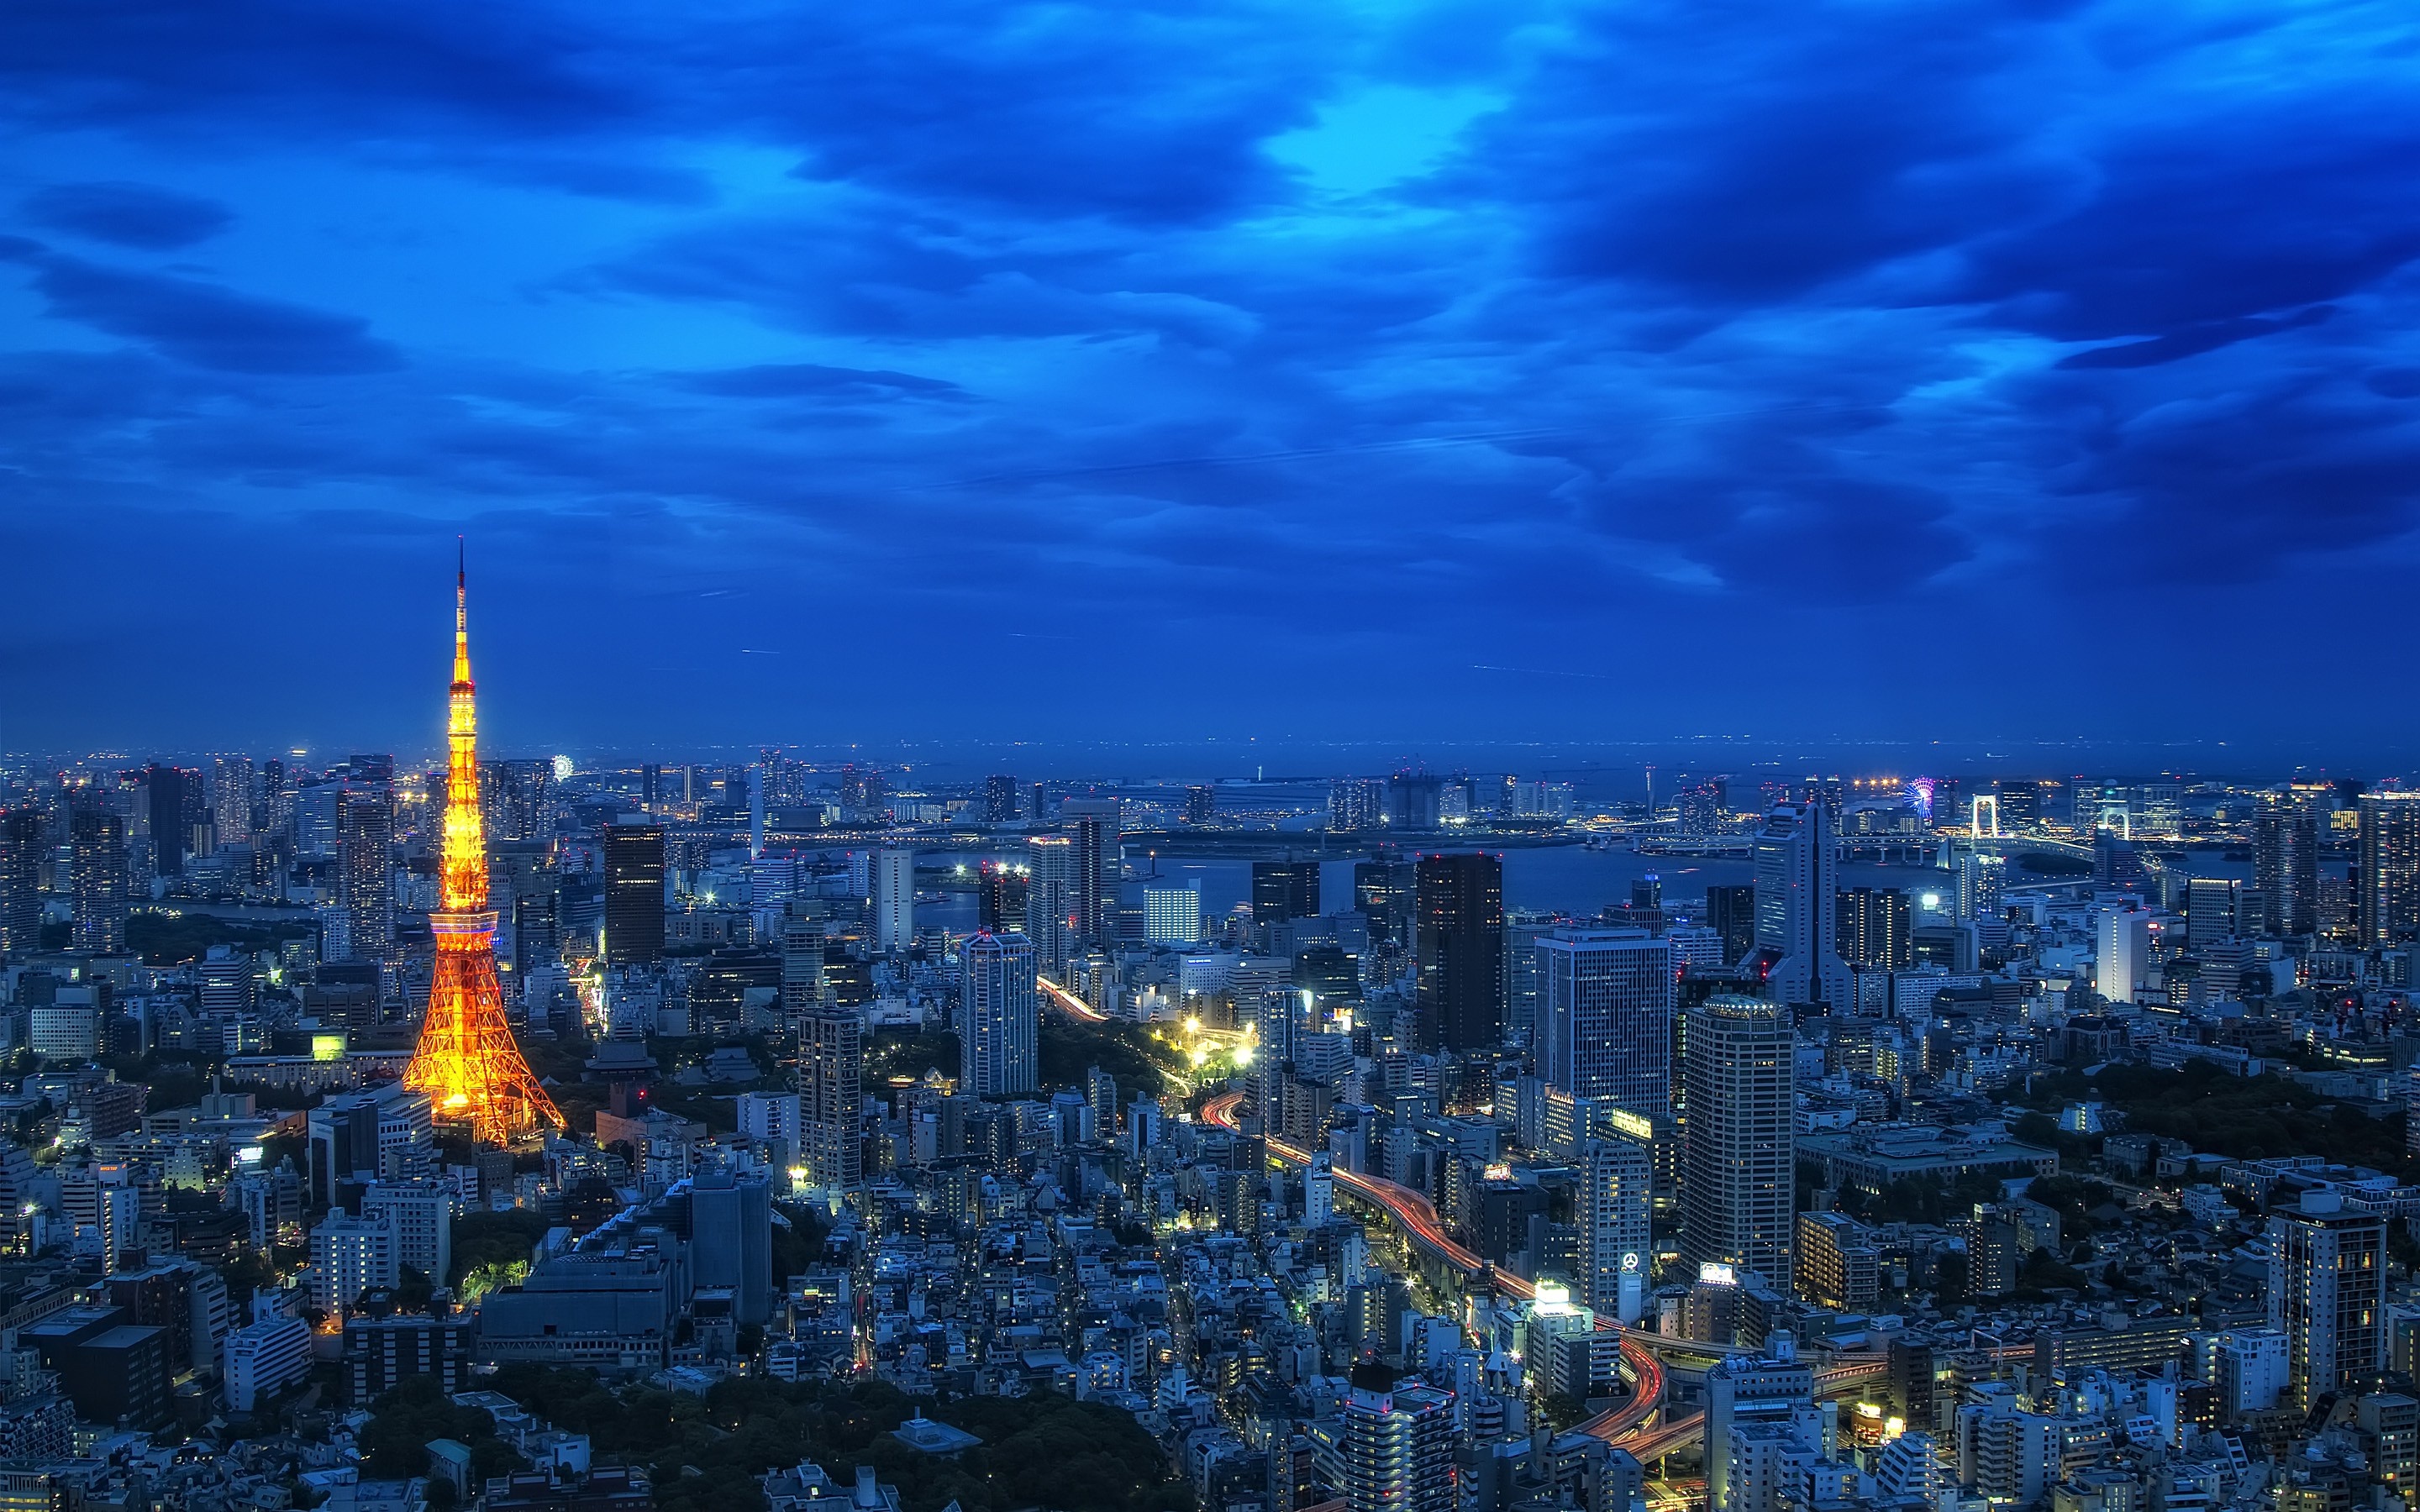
[467, 1061]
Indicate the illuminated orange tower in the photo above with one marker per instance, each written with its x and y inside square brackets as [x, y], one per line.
[467, 1060]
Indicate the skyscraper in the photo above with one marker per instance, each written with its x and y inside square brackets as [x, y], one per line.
[2327, 1293]
[99, 839]
[1877, 930]
[1604, 1017]
[1201, 804]
[2286, 858]
[1612, 1209]
[21, 861]
[998, 1017]
[1730, 912]
[173, 801]
[894, 901]
[364, 843]
[634, 894]
[832, 1089]
[1737, 1175]
[802, 961]
[1095, 825]
[467, 1063]
[2211, 905]
[1797, 885]
[1052, 876]
[1000, 800]
[2386, 876]
[231, 800]
[1283, 890]
[1356, 804]
[1459, 979]
[2123, 955]
[999, 896]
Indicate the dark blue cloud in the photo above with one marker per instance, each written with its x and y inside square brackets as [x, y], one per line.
[201, 323]
[1257, 363]
[129, 215]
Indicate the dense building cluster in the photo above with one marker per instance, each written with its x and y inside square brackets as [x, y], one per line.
[1943, 1144]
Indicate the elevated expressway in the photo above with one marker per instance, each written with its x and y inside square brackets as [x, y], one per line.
[1626, 1425]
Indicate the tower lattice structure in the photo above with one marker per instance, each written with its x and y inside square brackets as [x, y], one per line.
[467, 1060]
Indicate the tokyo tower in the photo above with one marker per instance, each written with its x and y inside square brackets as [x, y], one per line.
[467, 1061]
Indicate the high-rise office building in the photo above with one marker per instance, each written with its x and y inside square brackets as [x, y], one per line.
[1981, 879]
[998, 1017]
[174, 800]
[1415, 802]
[364, 846]
[2123, 957]
[99, 839]
[1730, 912]
[1172, 916]
[1604, 1017]
[1613, 1208]
[2210, 911]
[634, 894]
[2286, 858]
[2020, 804]
[1797, 901]
[2386, 874]
[894, 901]
[1201, 804]
[999, 896]
[1283, 890]
[1877, 929]
[1000, 800]
[2327, 1293]
[1395, 1447]
[1385, 893]
[1737, 1163]
[831, 1091]
[1459, 945]
[20, 872]
[1050, 887]
[1096, 825]
[731, 1231]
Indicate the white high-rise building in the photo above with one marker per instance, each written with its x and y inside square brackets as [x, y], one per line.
[1604, 1017]
[1172, 916]
[1050, 900]
[1613, 1213]
[2124, 954]
[894, 901]
[351, 1255]
[1318, 1191]
[422, 1214]
[998, 1019]
[1738, 1175]
[1798, 889]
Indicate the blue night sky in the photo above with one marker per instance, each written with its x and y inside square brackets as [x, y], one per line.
[1946, 369]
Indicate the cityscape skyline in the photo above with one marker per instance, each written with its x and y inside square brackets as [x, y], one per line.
[1228, 757]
